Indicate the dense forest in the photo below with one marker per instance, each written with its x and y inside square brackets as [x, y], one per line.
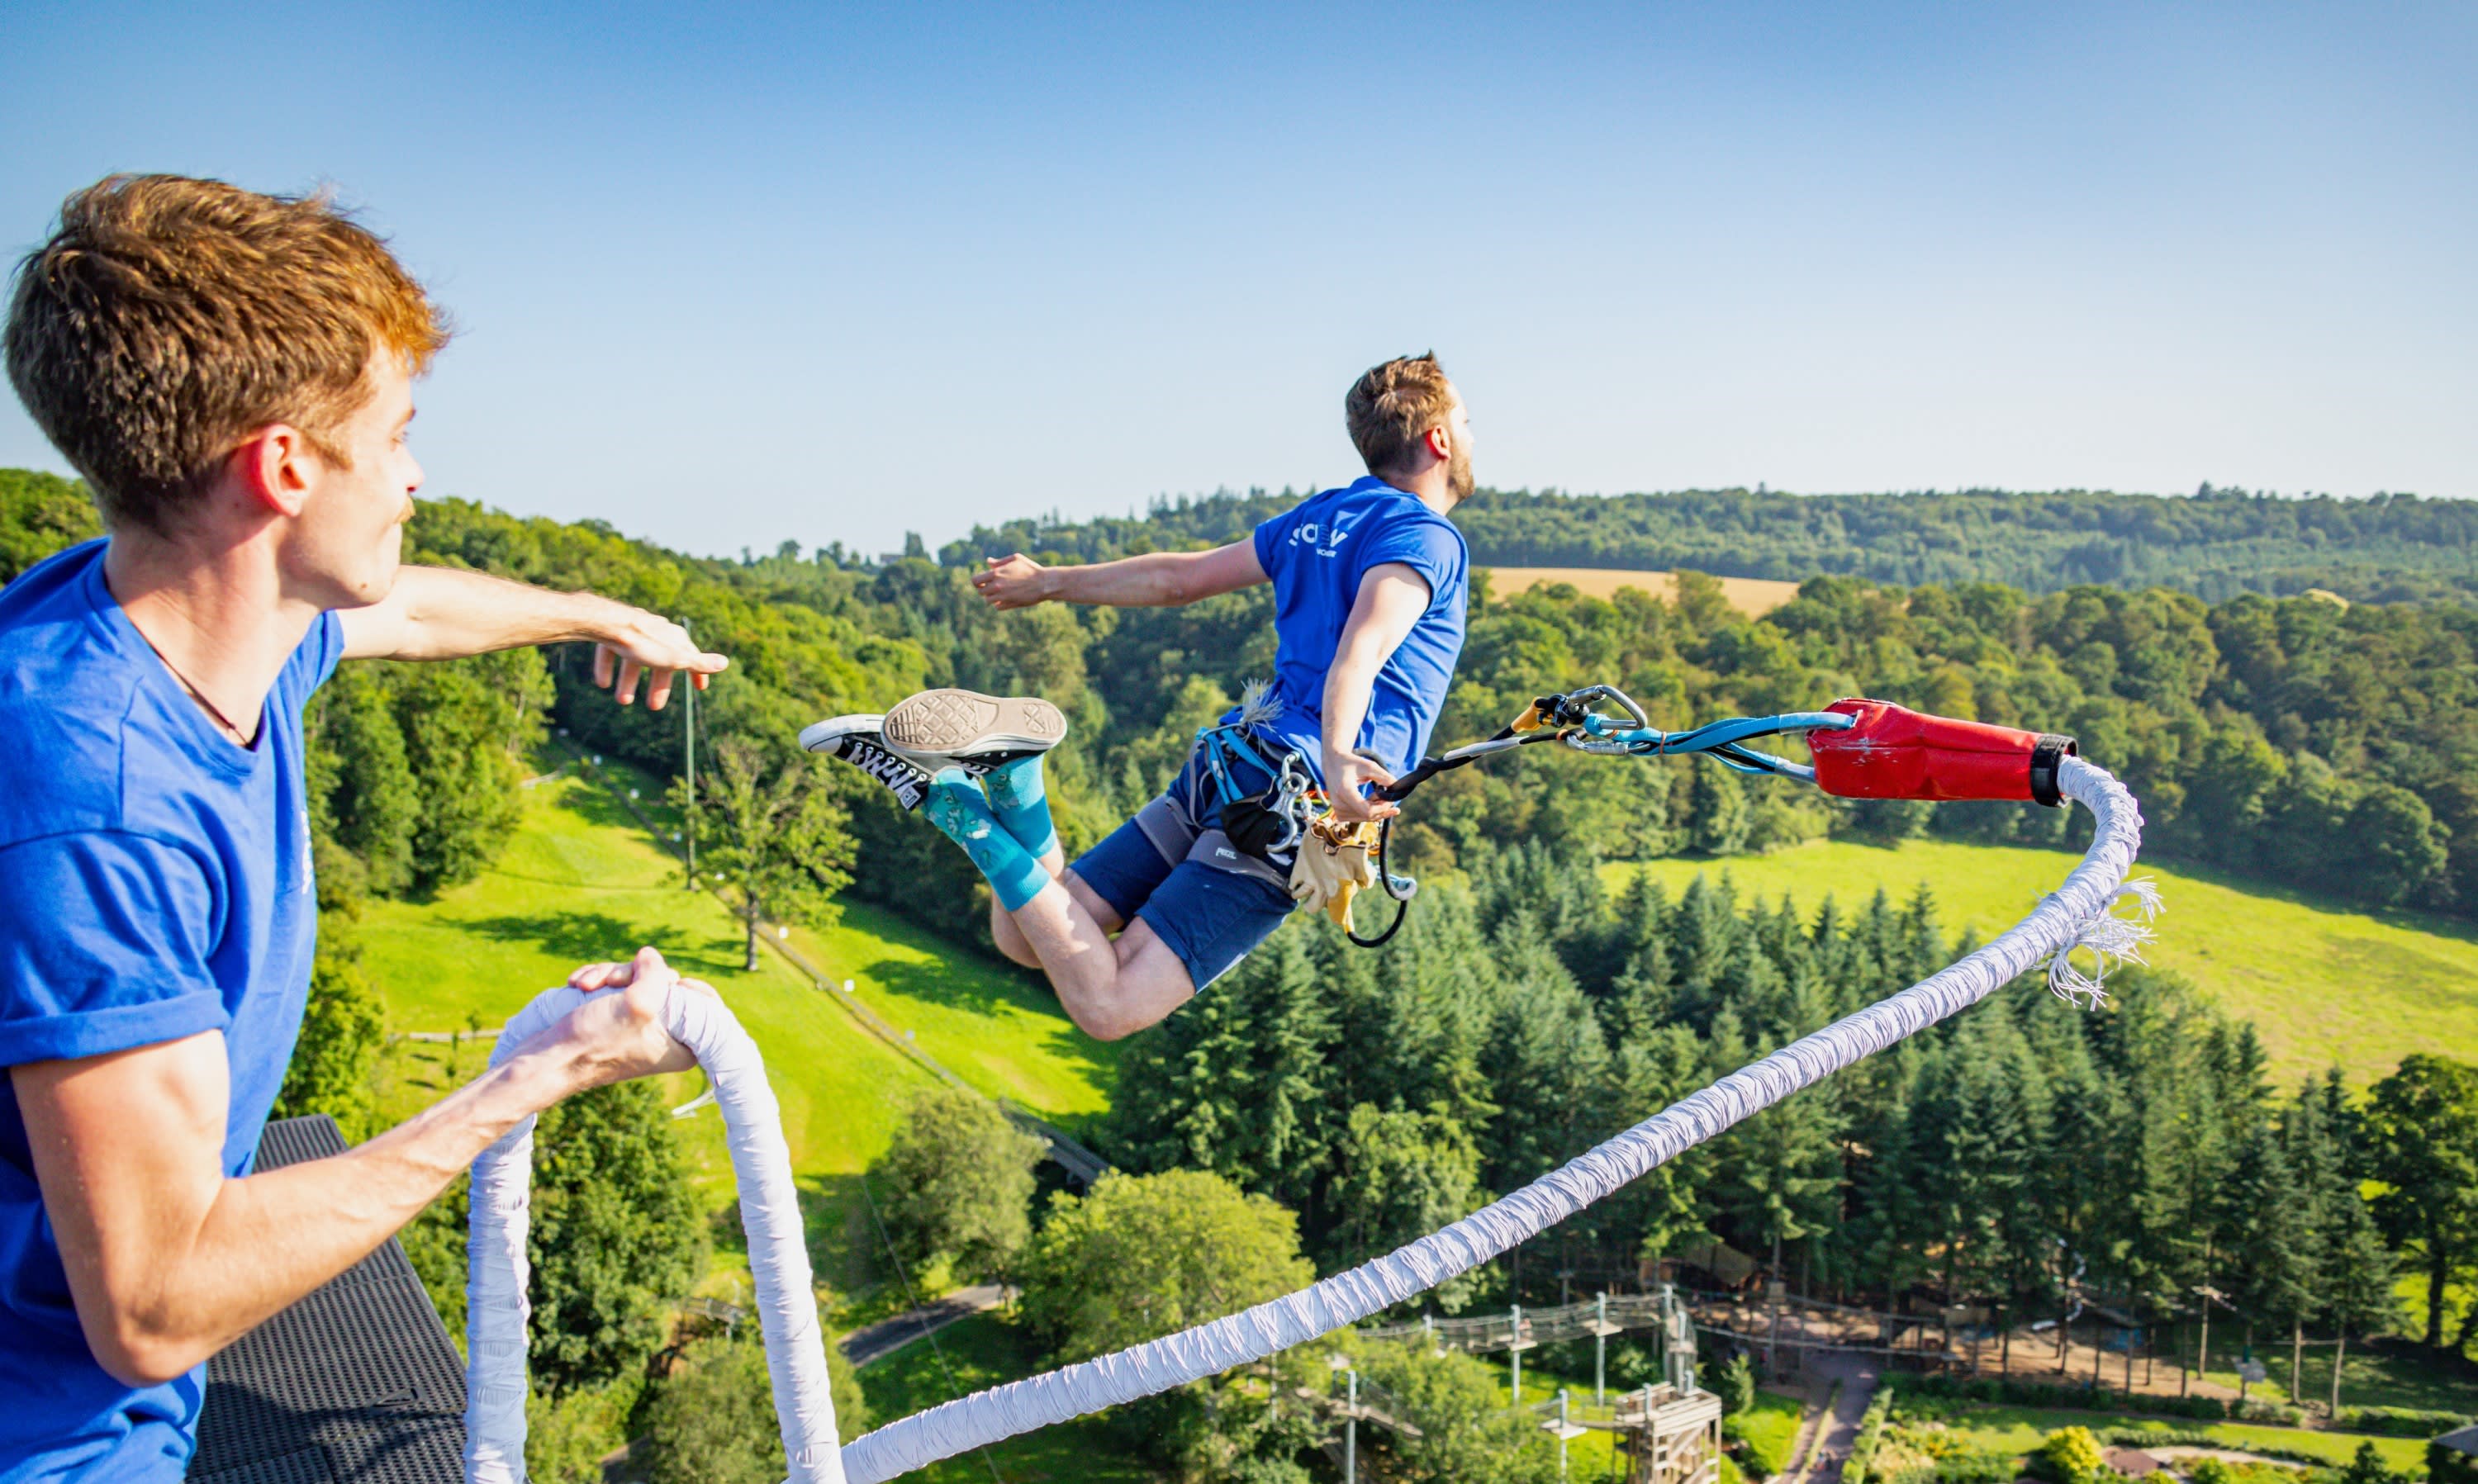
[2215, 544]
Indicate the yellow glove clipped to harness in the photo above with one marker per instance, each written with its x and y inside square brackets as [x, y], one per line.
[1333, 865]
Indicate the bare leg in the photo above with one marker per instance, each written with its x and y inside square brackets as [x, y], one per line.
[1109, 989]
[1010, 939]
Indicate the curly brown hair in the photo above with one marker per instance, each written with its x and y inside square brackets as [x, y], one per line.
[1393, 406]
[168, 319]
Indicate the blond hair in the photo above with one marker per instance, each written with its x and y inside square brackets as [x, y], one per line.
[168, 319]
[1391, 408]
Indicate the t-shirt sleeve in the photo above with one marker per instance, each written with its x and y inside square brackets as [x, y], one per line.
[104, 941]
[1430, 547]
[315, 657]
[1268, 536]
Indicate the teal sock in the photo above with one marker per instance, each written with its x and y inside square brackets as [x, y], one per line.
[1022, 804]
[959, 809]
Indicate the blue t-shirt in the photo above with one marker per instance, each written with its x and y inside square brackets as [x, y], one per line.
[1316, 552]
[154, 883]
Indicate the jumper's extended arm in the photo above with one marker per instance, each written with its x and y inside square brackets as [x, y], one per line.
[1158, 579]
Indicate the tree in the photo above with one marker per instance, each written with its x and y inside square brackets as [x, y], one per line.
[2274, 1232]
[2070, 1455]
[1721, 817]
[1735, 1383]
[2367, 1466]
[956, 1184]
[1239, 1081]
[338, 1045]
[1142, 1256]
[40, 513]
[1465, 1430]
[778, 838]
[1401, 1177]
[712, 1420]
[616, 1234]
[2422, 1130]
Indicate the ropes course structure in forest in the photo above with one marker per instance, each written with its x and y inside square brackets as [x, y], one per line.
[1862, 749]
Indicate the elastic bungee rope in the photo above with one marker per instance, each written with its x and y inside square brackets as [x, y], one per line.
[495, 1306]
[2077, 915]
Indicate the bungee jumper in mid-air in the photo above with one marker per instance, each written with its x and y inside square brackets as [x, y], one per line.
[1370, 586]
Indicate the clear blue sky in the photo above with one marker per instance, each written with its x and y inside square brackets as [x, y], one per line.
[732, 274]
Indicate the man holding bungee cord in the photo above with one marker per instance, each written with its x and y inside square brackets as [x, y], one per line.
[1370, 586]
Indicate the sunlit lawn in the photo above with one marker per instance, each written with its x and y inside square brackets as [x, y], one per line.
[580, 881]
[1986, 1429]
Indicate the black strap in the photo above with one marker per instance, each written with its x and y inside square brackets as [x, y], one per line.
[2047, 755]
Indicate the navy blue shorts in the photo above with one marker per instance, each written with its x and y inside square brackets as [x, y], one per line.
[1178, 872]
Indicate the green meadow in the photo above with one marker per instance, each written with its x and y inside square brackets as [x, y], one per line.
[2326, 984]
[580, 880]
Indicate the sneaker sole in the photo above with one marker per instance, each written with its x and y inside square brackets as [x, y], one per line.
[945, 725]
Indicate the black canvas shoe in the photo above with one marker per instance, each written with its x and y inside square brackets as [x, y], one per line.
[966, 729]
[857, 741]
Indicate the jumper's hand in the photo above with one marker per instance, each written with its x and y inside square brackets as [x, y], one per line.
[1344, 775]
[635, 642]
[618, 1033]
[1012, 582]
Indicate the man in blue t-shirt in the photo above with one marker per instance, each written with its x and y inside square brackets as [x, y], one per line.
[1370, 585]
[233, 374]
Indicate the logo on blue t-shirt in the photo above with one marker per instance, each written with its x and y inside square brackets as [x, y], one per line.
[1327, 539]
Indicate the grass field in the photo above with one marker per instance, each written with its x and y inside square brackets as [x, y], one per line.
[580, 880]
[1984, 1428]
[2325, 984]
[1754, 596]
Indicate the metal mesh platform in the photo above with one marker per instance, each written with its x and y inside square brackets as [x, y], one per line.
[356, 1384]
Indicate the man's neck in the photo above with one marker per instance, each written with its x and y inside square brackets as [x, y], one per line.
[216, 616]
[1430, 487]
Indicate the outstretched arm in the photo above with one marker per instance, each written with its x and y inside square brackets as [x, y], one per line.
[1159, 579]
[1392, 596]
[437, 612]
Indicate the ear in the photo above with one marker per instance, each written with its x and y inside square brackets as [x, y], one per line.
[1440, 442]
[277, 468]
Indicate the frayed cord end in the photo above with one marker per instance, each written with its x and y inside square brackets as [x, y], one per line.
[1259, 705]
[2111, 940]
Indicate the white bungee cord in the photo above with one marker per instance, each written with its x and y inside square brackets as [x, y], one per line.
[495, 1304]
[2078, 914]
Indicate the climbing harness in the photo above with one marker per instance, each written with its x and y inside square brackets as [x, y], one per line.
[1267, 821]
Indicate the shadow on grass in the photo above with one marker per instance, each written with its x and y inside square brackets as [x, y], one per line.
[592, 937]
[594, 803]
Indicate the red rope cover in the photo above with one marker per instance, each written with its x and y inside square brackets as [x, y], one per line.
[1894, 752]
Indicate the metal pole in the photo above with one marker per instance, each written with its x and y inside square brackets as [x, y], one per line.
[688, 764]
[1561, 1432]
[1351, 1435]
[1600, 1354]
[1518, 1355]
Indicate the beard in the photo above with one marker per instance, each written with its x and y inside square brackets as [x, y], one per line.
[1458, 475]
